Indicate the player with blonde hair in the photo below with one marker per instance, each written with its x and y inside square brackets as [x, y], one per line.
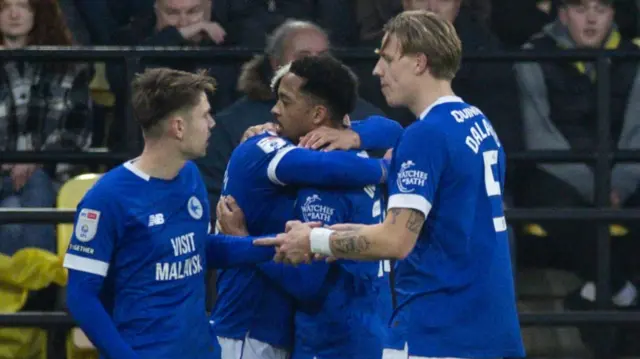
[445, 221]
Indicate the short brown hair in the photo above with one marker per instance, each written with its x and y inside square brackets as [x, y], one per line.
[424, 32]
[160, 92]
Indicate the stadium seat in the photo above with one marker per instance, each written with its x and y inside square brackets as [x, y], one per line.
[70, 194]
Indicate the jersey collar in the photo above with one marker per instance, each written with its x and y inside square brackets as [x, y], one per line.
[439, 101]
[135, 170]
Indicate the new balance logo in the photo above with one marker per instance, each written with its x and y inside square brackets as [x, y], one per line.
[156, 219]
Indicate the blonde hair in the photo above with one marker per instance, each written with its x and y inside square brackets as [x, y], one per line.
[424, 32]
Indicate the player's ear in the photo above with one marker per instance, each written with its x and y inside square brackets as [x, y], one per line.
[421, 63]
[320, 115]
[177, 126]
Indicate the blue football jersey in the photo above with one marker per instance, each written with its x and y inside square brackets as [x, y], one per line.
[146, 237]
[247, 302]
[342, 320]
[455, 289]
[258, 177]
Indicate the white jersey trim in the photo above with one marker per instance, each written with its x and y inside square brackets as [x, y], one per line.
[86, 265]
[273, 165]
[135, 170]
[439, 101]
[412, 201]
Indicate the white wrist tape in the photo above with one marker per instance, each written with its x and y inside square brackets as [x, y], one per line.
[320, 240]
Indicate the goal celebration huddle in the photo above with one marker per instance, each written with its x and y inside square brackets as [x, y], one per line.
[318, 254]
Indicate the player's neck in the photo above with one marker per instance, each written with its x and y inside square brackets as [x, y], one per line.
[160, 161]
[430, 94]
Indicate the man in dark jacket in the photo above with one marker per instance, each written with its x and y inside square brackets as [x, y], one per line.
[292, 40]
[559, 104]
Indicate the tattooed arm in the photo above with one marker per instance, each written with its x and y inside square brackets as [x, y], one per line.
[395, 238]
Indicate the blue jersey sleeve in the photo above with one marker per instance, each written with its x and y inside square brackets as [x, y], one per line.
[225, 251]
[88, 312]
[418, 161]
[96, 228]
[306, 281]
[299, 166]
[97, 225]
[377, 132]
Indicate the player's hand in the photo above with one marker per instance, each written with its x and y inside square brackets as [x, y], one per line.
[260, 129]
[330, 139]
[230, 217]
[389, 154]
[296, 245]
[20, 174]
[320, 257]
[292, 224]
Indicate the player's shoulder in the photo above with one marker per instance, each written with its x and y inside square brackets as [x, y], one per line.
[449, 111]
[111, 184]
[257, 147]
[111, 192]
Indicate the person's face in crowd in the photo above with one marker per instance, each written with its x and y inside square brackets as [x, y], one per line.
[589, 23]
[196, 128]
[306, 42]
[295, 112]
[16, 19]
[179, 13]
[395, 70]
[448, 9]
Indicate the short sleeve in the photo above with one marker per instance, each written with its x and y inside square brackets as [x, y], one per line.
[418, 162]
[95, 231]
[315, 205]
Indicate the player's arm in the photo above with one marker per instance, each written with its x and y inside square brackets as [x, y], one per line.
[394, 238]
[411, 189]
[374, 133]
[95, 231]
[377, 132]
[299, 166]
[417, 175]
[225, 251]
[306, 281]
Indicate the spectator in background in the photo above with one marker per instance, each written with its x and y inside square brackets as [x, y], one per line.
[292, 40]
[559, 104]
[172, 23]
[371, 17]
[249, 21]
[42, 107]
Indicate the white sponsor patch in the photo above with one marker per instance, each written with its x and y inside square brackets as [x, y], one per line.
[314, 211]
[270, 144]
[408, 178]
[87, 224]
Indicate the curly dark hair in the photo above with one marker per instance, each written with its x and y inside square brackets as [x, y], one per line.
[329, 81]
[49, 26]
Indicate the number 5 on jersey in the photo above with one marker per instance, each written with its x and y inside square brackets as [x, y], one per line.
[493, 189]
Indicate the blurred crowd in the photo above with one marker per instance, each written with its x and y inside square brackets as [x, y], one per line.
[533, 106]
